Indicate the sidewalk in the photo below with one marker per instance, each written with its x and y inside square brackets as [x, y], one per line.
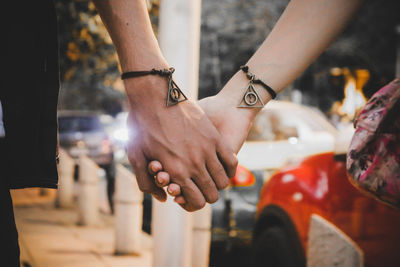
[50, 237]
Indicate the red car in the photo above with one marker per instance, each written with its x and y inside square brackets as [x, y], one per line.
[319, 185]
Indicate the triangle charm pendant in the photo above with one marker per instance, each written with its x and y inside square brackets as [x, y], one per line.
[251, 99]
[175, 95]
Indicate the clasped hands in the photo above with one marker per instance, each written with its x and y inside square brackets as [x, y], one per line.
[189, 147]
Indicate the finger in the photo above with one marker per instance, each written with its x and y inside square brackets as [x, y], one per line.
[217, 171]
[162, 179]
[154, 167]
[174, 189]
[180, 200]
[145, 181]
[207, 186]
[192, 195]
[227, 158]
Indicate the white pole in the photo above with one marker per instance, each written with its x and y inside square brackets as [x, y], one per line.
[201, 237]
[172, 235]
[88, 199]
[65, 192]
[179, 37]
[128, 213]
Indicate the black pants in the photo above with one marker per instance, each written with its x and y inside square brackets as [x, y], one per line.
[110, 176]
[9, 249]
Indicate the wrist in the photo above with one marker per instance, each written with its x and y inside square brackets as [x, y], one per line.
[146, 61]
[148, 91]
[232, 94]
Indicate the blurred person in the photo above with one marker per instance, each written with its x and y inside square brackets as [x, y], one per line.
[180, 136]
[304, 30]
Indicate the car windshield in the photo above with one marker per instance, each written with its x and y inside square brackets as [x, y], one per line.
[269, 126]
[79, 124]
[282, 123]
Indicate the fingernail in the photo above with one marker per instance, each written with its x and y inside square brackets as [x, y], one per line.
[169, 190]
[159, 180]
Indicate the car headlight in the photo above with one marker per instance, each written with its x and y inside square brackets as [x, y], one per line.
[121, 135]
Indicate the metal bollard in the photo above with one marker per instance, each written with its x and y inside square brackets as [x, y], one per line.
[328, 246]
[65, 192]
[128, 213]
[88, 199]
[201, 237]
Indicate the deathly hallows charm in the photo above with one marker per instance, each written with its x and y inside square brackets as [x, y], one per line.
[251, 99]
[175, 95]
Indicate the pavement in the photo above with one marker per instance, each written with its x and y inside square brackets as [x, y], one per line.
[50, 236]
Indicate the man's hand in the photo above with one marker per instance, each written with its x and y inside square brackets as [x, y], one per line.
[182, 138]
[233, 125]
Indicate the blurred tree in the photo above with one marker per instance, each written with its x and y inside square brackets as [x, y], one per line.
[89, 66]
[88, 62]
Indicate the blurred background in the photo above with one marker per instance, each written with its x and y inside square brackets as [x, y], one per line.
[89, 66]
[291, 169]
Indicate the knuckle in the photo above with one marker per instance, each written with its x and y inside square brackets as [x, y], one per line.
[212, 198]
[206, 184]
[231, 169]
[223, 183]
[178, 171]
[199, 204]
[185, 184]
[234, 162]
[220, 173]
[197, 162]
[209, 189]
[220, 177]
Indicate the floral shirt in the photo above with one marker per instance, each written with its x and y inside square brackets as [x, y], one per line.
[373, 161]
[2, 132]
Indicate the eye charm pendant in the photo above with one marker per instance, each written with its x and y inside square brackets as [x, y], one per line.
[175, 95]
[251, 99]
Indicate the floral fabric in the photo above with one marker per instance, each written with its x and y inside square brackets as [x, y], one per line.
[373, 159]
[2, 131]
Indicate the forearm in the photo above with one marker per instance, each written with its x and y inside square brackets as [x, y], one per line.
[303, 32]
[129, 26]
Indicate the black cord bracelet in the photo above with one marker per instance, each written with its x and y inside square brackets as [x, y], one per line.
[252, 78]
[175, 94]
[134, 74]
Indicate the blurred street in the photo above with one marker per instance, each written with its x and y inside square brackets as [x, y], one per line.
[51, 237]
